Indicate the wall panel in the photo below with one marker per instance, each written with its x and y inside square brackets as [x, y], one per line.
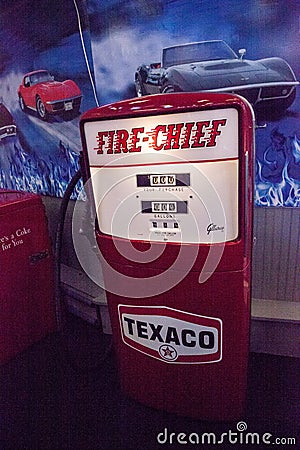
[276, 254]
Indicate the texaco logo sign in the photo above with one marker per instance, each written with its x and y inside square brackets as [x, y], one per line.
[171, 335]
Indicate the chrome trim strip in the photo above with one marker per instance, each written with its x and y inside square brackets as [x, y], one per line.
[64, 100]
[252, 86]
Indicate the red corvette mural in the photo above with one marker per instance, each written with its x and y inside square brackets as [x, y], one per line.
[41, 93]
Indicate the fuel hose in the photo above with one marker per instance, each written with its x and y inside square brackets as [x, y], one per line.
[61, 309]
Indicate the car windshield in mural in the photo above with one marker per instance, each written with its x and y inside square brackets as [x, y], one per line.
[197, 52]
[39, 76]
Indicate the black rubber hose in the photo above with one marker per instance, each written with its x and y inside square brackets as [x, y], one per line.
[60, 308]
[60, 305]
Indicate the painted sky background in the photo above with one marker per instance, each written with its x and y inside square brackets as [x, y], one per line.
[119, 36]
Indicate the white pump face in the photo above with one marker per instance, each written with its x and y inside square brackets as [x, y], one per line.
[168, 178]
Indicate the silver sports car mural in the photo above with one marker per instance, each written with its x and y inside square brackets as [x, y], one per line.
[212, 66]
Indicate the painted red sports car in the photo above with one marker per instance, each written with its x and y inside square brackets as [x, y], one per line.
[41, 93]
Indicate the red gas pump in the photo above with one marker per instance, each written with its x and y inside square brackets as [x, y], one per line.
[172, 178]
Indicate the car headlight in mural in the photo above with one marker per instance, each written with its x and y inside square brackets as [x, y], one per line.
[7, 124]
[41, 93]
[212, 66]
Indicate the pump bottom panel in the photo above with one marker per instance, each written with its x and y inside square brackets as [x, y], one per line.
[186, 350]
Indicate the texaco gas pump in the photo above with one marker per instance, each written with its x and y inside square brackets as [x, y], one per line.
[171, 178]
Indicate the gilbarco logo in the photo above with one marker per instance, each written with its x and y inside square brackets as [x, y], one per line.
[213, 227]
[171, 335]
